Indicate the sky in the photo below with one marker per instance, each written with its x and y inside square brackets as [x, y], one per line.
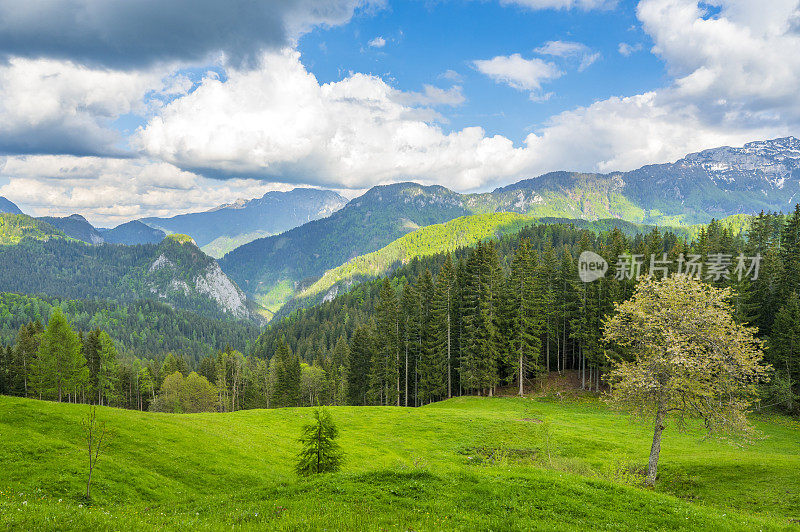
[121, 109]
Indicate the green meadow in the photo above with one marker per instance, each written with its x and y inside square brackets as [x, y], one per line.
[466, 464]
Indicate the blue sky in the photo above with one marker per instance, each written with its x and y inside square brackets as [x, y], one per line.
[426, 39]
[123, 109]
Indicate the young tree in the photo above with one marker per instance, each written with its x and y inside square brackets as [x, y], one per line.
[683, 354]
[97, 438]
[321, 452]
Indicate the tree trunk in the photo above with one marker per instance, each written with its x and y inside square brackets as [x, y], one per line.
[449, 371]
[655, 450]
[521, 375]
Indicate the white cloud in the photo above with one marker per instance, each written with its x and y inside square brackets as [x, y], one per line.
[734, 79]
[58, 106]
[518, 72]
[278, 122]
[629, 49]
[734, 82]
[452, 75]
[568, 50]
[377, 42]
[112, 191]
[434, 96]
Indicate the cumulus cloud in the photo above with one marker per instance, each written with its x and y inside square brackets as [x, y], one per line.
[112, 191]
[377, 42]
[124, 33]
[628, 49]
[570, 50]
[518, 72]
[49, 106]
[278, 122]
[733, 82]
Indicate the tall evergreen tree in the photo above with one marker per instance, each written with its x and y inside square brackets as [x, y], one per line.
[444, 305]
[60, 367]
[361, 349]
[385, 375]
[287, 384]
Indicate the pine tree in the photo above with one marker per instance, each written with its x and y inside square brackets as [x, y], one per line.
[340, 362]
[410, 338]
[361, 349]
[523, 313]
[385, 374]
[431, 362]
[23, 355]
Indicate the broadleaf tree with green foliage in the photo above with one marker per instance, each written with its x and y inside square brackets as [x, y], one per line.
[681, 354]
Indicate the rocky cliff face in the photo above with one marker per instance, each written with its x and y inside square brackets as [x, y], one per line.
[181, 272]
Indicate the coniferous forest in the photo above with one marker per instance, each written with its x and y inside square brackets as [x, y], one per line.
[502, 314]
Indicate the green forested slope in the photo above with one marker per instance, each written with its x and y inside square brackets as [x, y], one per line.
[169, 271]
[15, 227]
[145, 328]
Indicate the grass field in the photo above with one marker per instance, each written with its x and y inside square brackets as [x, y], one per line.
[467, 463]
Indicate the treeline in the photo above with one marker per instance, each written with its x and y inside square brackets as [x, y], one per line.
[143, 328]
[55, 362]
[505, 313]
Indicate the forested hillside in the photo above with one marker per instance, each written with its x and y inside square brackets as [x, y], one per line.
[464, 321]
[146, 329]
[174, 272]
[273, 269]
[15, 227]
[500, 313]
[447, 237]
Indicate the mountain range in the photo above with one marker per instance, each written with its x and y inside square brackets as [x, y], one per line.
[313, 231]
[130, 233]
[715, 183]
[226, 227]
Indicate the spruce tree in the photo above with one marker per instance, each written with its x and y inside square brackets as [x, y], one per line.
[60, 367]
[385, 374]
[321, 452]
[287, 384]
[444, 320]
[361, 349]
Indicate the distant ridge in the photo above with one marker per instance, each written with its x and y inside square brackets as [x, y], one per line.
[9, 207]
[225, 227]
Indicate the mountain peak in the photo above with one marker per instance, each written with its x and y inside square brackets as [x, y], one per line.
[9, 206]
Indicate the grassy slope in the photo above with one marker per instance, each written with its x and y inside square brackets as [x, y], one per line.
[415, 469]
[429, 240]
[221, 245]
